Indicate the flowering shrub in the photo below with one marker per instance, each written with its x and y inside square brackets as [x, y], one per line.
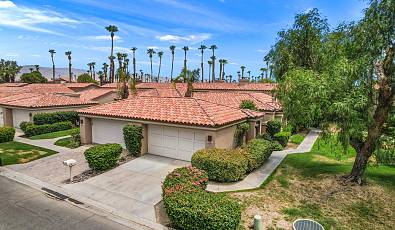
[189, 206]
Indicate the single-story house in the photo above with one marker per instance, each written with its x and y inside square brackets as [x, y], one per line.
[21, 107]
[99, 95]
[173, 127]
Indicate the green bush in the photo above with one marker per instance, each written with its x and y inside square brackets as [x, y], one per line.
[282, 138]
[296, 138]
[24, 124]
[55, 117]
[132, 136]
[257, 152]
[103, 157]
[75, 139]
[240, 133]
[189, 206]
[289, 128]
[385, 157]
[222, 165]
[277, 146]
[201, 210]
[6, 134]
[265, 136]
[248, 104]
[85, 78]
[33, 130]
[273, 127]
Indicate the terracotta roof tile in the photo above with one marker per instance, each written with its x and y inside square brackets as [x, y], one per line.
[174, 110]
[76, 85]
[92, 94]
[47, 88]
[13, 84]
[41, 100]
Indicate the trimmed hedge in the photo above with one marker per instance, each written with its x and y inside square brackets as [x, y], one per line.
[222, 165]
[257, 152]
[24, 124]
[33, 130]
[6, 134]
[273, 127]
[276, 146]
[282, 138]
[189, 206]
[132, 136]
[55, 117]
[103, 157]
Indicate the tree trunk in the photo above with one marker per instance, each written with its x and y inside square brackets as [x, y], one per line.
[385, 100]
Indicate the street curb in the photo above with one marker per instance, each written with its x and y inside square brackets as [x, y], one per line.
[95, 207]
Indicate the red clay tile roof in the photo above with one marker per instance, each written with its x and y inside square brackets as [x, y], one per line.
[13, 84]
[233, 99]
[40, 100]
[179, 110]
[234, 86]
[76, 85]
[92, 94]
[47, 88]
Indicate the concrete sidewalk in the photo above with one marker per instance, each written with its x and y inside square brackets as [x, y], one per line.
[257, 177]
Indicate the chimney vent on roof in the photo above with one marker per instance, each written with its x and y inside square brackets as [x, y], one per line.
[243, 81]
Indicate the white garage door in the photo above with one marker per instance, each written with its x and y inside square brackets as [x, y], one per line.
[173, 142]
[108, 131]
[18, 116]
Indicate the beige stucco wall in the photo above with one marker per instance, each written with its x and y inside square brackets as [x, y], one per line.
[7, 117]
[224, 138]
[86, 130]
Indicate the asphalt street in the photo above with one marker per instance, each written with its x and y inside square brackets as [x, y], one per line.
[23, 208]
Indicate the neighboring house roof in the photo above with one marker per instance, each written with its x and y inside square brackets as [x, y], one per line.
[92, 94]
[47, 88]
[13, 84]
[42, 100]
[80, 86]
[178, 110]
[234, 86]
[262, 101]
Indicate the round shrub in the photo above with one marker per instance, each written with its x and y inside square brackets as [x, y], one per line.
[282, 138]
[201, 210]
[24, 124]
[257, 152]
[185, 179]
[277, 146]
[6, 134]
[103, 157]
[273, 127]
[222, 165]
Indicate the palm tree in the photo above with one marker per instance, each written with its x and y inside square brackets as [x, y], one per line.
[52, 52]
[242, 71]
[151, 53]
[134, 62]
[105, 66]
[213, 65]
[220, 69]
[37, 67]
[68, 54]
[31, 69]
[160, 54]
[125, 63]
[209, 72]
[238, 75]
[93, 69]
[126, 66]
[100, 73]
[172, 49]
[224, 62]
[185, 48]
[249, 74]
[213, 48]
[202, 48]
[264, 70]
[90, 69]
[112, 76]
[112, 29]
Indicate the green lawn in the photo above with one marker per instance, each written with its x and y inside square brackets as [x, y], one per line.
[16, 152]
[309, 185]
[54, 134]
[66, 142]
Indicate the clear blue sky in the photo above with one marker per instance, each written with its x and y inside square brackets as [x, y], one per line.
[243, 30]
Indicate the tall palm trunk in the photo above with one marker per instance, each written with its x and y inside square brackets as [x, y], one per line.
[53, 68]
[70, 74]
[134, 65]
[202, 65]
[160, 65]
[151, 69]
[112, 67]
[209, 73]
[220, 70]
[172, 66]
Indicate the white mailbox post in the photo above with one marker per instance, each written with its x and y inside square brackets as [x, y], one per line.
[70, 163]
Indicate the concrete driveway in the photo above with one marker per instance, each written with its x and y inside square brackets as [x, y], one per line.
[133, 188]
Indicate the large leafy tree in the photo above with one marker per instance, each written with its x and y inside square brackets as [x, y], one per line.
[8, 70]
[33, 77]
[343, 77]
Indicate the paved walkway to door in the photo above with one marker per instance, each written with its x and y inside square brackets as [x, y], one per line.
[133, 188]
[257, 177]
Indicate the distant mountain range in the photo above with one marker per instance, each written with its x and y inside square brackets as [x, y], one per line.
[47, 71]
